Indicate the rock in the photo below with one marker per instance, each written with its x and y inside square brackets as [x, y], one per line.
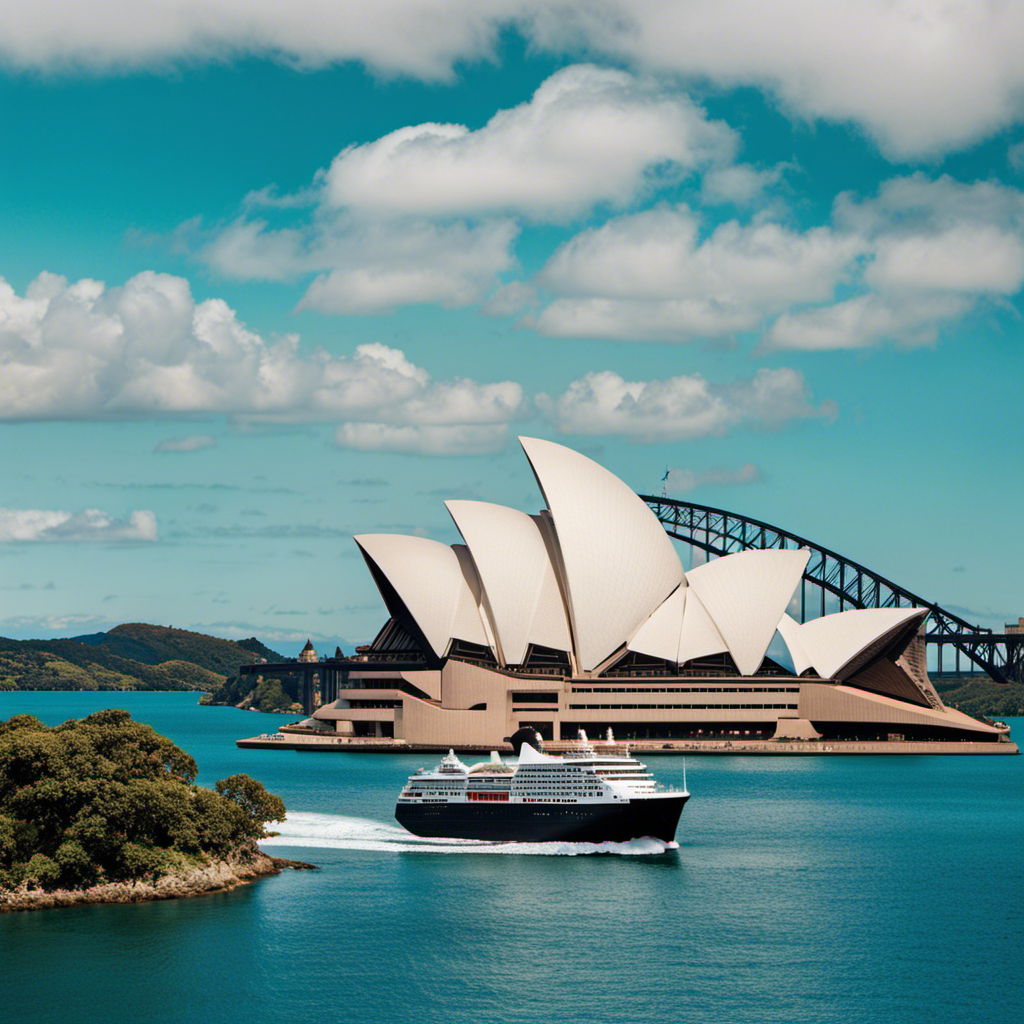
[244, 864]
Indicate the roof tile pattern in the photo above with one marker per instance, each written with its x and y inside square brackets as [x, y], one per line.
[619, 563]
[520, 589]
[429, 578]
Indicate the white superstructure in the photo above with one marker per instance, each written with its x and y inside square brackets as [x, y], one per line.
[580, 777]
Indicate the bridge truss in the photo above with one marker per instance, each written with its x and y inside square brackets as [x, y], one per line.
[717, 532]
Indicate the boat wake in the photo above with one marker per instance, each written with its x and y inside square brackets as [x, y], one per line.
[332, 831]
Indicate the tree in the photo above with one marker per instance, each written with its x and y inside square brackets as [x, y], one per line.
[109, 799]
[259, 805]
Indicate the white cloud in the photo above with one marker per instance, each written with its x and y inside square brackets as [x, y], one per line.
[679, 481]
[919, 76]
[588, 135]
[369, 267]
[911, 259]
[866, 320]
[509, 299]
[26, 525]
[416, 37]
[649, 275]
[84, 351]
[965, 258]
[679, 408]
[740, 184]
[423, 440]
[934, 250]
[388, 224]
[193, 443]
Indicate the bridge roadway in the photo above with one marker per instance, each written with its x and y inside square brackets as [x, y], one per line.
[718, 532]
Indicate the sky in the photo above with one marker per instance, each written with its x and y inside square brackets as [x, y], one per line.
[274, 275]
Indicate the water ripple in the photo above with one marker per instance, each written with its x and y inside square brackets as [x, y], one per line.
[334, 831]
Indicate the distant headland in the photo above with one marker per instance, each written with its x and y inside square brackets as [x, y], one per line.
[139, 656]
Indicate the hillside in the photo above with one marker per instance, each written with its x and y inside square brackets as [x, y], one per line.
[134, 656]
[153, 645]
[979, 695]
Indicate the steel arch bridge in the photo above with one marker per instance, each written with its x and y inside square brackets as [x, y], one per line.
[719, 532]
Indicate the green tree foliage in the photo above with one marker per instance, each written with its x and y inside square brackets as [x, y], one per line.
[258, 805]
[108, 799]
[256, 692]
[980, 695]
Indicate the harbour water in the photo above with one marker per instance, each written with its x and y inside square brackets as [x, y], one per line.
[802, 890]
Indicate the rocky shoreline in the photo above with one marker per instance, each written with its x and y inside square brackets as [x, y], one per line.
[245, 864]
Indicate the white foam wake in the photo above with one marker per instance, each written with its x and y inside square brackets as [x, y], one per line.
[332, 831]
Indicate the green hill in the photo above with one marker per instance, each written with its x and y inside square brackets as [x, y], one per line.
[154, 645]
[134, 656]
[979, 695]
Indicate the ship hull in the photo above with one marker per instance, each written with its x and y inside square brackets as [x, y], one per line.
[544, 823]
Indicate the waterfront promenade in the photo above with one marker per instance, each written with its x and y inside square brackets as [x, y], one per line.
[310, 741]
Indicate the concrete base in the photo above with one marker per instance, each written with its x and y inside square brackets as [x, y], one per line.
[321, 743]
[795, 729]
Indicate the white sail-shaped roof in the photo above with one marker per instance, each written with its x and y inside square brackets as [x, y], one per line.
[679, 630]
[700, 636]
[431, 580]
[830, 643]
[520, 587]
[659, 636]
[789, 630]
[746, 595]
[619, 562]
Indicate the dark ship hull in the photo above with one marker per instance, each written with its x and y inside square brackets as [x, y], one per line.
[544, 823]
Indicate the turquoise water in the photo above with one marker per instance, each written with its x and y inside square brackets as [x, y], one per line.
[803, 890]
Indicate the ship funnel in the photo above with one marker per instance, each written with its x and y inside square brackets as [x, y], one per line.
[525, 735]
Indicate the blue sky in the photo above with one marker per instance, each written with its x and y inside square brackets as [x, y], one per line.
[272, 277]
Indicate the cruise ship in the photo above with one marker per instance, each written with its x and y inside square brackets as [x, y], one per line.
[582, 796]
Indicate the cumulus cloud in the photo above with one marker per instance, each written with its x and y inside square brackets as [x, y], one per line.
[366, 266]
[588, 135]
[679, 408]
[740, 184]
[27, 525]
[934, 250]
[911, 259]
[650, 275]
[474, 439]
[147, 348]
[920, 77]
[678, 481]
[430, 213]
[193, 443]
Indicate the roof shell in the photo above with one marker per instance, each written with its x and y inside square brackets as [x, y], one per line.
[700, 636]
[789, 630]
[746, 594]
[679, 630]
[431, 580]
[619, 562]
[659, 636]
[830, 643]
[520, 588]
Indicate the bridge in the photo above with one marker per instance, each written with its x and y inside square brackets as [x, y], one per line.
[717, 532]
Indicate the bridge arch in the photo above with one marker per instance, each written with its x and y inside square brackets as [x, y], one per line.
[719, 532]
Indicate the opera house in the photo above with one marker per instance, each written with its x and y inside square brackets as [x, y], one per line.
[583, 617]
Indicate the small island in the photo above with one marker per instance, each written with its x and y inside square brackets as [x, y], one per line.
[105, 810]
